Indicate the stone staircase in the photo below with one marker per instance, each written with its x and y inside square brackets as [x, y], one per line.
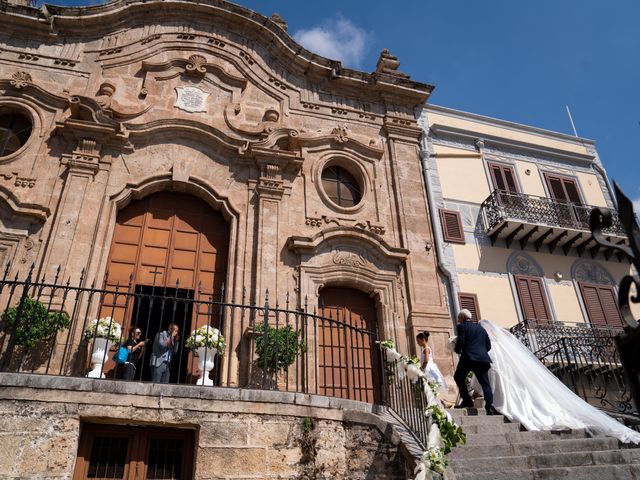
[497, 449]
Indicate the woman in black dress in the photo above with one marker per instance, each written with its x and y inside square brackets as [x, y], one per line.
[127, 371]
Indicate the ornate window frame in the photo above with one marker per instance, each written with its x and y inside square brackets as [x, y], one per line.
[33, 114]
[590, 271]
[351, 165]
[527, 266]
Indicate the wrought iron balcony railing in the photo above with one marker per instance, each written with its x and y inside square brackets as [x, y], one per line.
[543, 221]
[584, 358]
[51, 327]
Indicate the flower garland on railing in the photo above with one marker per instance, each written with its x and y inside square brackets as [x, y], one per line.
[444, 432]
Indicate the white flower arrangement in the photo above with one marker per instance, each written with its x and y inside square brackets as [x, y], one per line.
[451, 344]
[105, 327]
[206, 336]
[444, 433]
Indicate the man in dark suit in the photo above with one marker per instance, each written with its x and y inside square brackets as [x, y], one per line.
[473, 345]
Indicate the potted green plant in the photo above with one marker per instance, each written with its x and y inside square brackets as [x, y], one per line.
[35, 325]
[277, 348]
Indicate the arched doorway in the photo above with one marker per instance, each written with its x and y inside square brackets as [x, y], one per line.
[347, 362]
[173, 249]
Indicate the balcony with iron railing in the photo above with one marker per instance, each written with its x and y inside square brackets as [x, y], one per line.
[541, 221]
[584, 357]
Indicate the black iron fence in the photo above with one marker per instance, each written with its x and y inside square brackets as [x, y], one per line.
[502, 205]
[59, 328]
[584, 357]
[407, 399]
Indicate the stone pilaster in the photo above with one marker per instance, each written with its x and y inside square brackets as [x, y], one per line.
[270, 189]
[83, 181]
[425, 294]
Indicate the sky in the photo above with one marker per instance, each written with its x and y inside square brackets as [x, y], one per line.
[521, 61]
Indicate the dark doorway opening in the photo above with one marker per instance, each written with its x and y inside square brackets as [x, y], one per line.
[154, 309]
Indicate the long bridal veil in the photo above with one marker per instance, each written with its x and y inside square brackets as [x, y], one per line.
[527, 392]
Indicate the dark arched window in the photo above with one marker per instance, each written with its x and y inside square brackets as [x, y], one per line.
[15, 130]
[340, 186]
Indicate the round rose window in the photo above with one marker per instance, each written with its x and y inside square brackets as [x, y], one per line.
[15, 130]
[341, 186]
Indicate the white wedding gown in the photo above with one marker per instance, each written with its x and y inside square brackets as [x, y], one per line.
[432, 370]
[527, 392]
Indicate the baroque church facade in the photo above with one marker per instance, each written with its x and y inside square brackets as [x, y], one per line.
[160, 143]
[193, 149]
[192, 154]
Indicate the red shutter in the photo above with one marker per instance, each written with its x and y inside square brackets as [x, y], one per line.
[452, 226]
[571, 187]
[563, 189]
[601, 304]
[533, 299]
[503, 178]
[470, 302]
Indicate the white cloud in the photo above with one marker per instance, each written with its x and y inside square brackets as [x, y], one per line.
[337, 39]
[636, 206]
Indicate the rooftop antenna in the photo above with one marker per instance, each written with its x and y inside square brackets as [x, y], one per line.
[571, 120]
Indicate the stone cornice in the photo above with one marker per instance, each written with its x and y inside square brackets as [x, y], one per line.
[21, 208]
[470, 136]
[31, 90]
[519, 127]
[101, 20]
[309, 244]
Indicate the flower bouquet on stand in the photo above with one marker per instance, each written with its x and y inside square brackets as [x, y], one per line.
[103, 332]
[207, 342]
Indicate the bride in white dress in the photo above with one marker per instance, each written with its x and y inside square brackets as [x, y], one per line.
[426, 360]
[527, 392]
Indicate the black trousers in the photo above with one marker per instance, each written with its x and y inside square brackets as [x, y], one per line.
[481, 371]
[126, 371]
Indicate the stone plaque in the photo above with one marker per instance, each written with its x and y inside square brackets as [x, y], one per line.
[191, 99]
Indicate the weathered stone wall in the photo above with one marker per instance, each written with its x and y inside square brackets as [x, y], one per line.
[239, 434]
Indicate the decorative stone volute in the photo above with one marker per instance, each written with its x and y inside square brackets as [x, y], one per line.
[20, 80]
[196, 66]
[278, 20]
[389, 64]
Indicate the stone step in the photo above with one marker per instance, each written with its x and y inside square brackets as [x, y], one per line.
[549, 460]
[492, 428]
[460, 412]
[580, 459]
[480, 420]
[594, 472]
[539, 447]
[520, 437]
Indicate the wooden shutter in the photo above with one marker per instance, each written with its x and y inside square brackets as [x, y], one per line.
[563, 189]
[470, 302]
[533, 299]
[601, 303]
[452, 226]
[503, 178]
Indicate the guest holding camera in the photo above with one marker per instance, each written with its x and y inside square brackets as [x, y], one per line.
[165, 345]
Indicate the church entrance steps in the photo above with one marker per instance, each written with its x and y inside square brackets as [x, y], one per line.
[520, 454]
[539, 447]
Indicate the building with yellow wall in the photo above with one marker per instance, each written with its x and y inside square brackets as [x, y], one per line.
[511, 206]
